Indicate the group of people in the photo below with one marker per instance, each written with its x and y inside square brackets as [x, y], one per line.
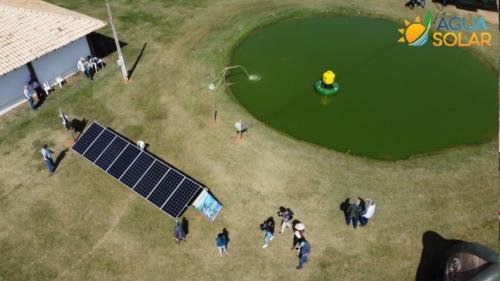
[359, 212]
[299, 242]
[181, 230]
[412, 3]
[89, 66]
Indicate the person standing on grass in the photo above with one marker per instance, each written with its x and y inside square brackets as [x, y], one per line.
[355, 213]
[286, 217]
[268, 228]
[47, 156]
[179, 233]
[305, 250]
[240, 128]
[368, 214]
[221, 243]
[28, 93]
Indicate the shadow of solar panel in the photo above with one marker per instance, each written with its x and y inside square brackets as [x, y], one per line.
[137, 169]
[99, 145]
[111, 153]
[166, 187]
[87, 138]
[181, 198]
[151, 178]
[123, 161]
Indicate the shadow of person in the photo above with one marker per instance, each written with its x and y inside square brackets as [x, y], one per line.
[433, 257]
[344, 207]
[41, 98]
[225, 233]
[78, 125]
[59, 158]
[185, 225]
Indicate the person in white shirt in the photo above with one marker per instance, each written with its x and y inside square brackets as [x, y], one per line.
[47, 156]
[65, 120]
[240, 128]
[368, 214]
[80, 65]
[28, 93]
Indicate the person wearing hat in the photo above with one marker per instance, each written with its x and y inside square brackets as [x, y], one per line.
[179, 233]
[368, 213]
[298, 235]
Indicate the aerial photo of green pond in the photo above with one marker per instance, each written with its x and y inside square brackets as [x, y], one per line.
[394, 100]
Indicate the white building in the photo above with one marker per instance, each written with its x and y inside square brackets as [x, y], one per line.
[41, 40]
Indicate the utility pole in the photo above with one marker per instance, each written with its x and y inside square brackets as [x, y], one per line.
[121, 61]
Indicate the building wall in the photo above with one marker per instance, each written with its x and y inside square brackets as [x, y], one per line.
[12, 87]
[61, 61]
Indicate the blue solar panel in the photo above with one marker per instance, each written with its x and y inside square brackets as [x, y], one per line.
[110, 154]
[165, 188]
[182, 197]
[160, 184]
[87, 138]
[135, 171]
[151, 178]
[124, 161]
[99, 145]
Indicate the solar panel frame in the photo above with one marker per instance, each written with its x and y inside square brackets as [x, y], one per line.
[146, 191]
[131, 164]
[95, 150]
[109, 155]
[136, 170]
[159, 198]
[170, 168]
[177, 207]
[86, 133]
[143, 174]
[92, 143]
[126, 158]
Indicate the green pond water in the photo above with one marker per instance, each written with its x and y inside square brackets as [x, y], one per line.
[394, 100]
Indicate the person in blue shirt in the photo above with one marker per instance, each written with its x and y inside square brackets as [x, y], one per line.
[221, 243]
[179, 233]
[268, 229]
[47, 156]
[305, 250]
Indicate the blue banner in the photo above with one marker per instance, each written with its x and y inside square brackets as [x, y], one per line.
[207, 205]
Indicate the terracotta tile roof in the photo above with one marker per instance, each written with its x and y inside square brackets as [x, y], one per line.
[30, 29]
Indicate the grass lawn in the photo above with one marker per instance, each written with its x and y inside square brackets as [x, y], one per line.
[80, 224]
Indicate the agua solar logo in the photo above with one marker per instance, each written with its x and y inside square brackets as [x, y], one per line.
[450, 31]
[462, 32]
[416, 34]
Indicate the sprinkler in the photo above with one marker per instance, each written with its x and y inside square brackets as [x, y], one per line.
[214, 84]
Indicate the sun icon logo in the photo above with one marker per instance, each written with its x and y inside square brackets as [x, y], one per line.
[416, 34]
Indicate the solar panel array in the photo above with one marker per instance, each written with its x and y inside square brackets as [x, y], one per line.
[161, 184]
